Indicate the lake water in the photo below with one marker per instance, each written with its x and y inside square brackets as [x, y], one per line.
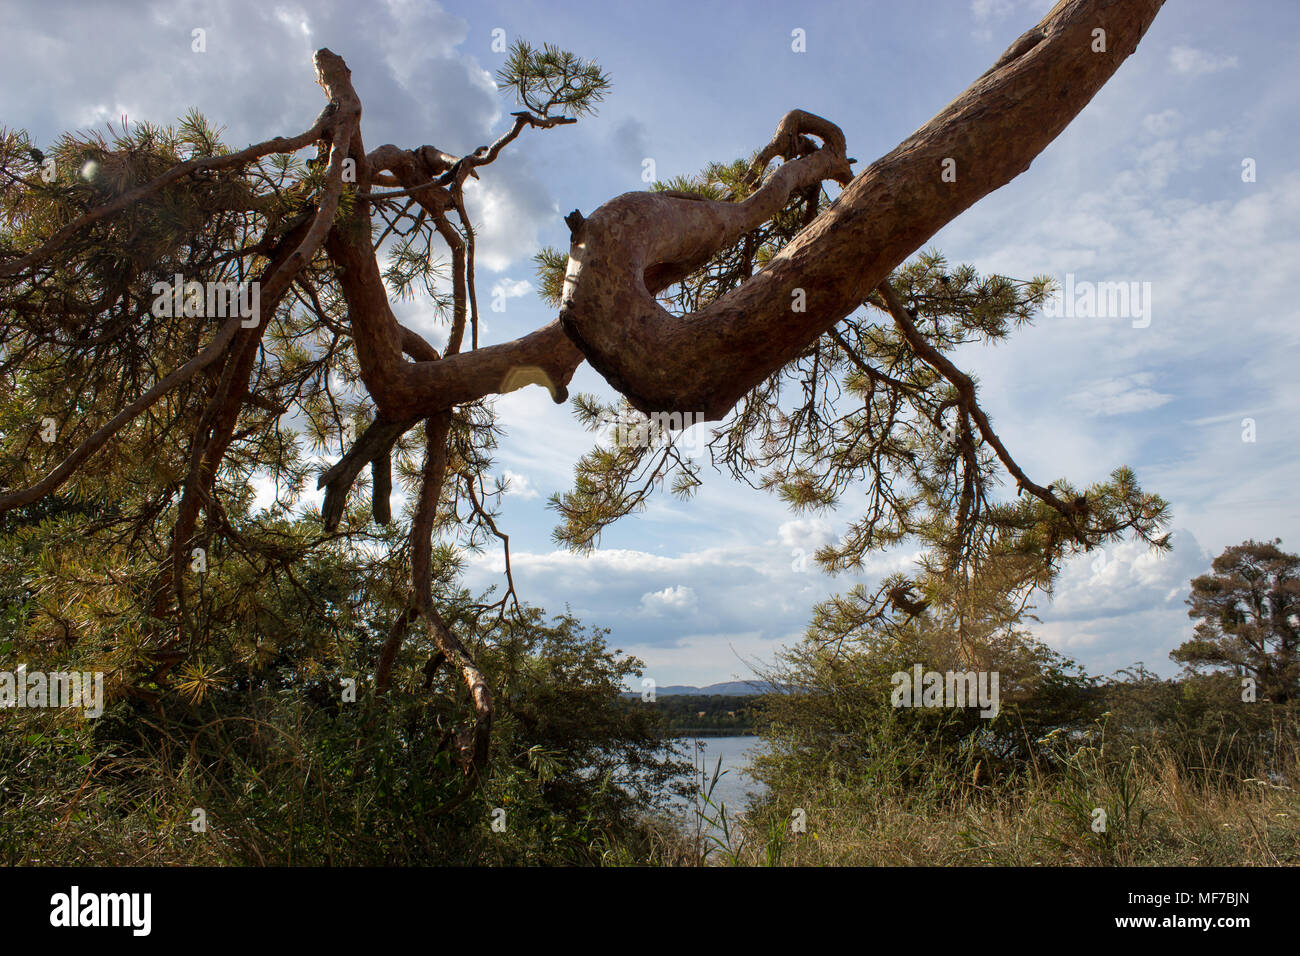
[734, 785]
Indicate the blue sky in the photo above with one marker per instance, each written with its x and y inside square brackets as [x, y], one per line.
[1146, 186]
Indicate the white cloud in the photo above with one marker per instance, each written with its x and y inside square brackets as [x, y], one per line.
[1159, 161]
[508, 288]
[418, 77]
[518, 485]
[991, 9]
[987, 11]
[1192, 62]
[508, 207]
[806, 533]
[671, 599]
[702, 659]
[711, 595]
[1162, 123]
[1124, 603]
[1119, 396]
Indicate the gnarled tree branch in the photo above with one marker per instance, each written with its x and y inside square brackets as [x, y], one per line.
[707, 361]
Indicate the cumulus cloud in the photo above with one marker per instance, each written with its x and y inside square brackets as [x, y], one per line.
[742, 589]
[518, 485]
[806, 533]
[658, 604]
[671, 599]
[509, 207]
[413, 64]
[1189, 61]
[1124, 604]
[508, 288]
[254, 72]
[803, 536]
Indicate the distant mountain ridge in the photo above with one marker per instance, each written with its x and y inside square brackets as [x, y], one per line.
[731, 688]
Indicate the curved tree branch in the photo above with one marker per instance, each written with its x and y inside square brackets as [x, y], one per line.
[707, 361]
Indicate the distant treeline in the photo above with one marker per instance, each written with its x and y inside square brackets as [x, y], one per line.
[710, 714]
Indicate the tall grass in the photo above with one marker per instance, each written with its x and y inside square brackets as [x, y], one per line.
[1157, 811]
[284, 786]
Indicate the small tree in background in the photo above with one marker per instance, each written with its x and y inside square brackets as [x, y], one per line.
[1249, 608]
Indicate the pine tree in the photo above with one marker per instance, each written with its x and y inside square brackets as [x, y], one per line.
[179, 320]
[1249, 613]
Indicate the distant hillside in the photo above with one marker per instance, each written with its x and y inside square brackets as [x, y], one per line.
[733, 688]
[703, 714]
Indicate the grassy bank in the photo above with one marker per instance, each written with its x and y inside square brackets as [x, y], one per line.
[1171, 774]
[1157, 813]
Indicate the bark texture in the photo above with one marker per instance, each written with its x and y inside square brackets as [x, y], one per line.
[707, 361]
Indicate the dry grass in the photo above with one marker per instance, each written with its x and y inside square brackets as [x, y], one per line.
[1157, 815]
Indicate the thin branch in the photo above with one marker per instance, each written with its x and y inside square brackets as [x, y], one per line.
[962, 382]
